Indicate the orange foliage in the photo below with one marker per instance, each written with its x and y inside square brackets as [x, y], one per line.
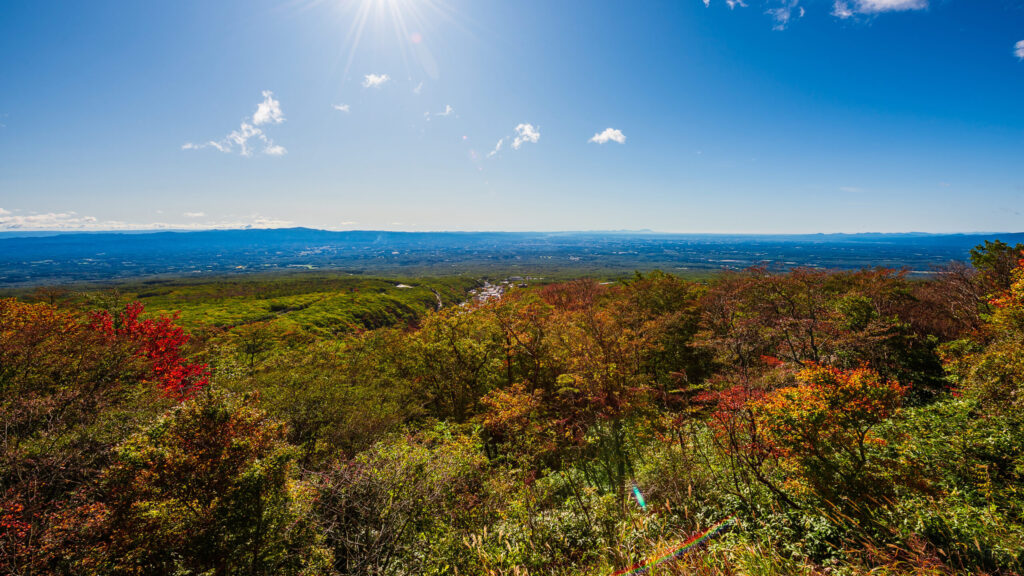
[821, 428]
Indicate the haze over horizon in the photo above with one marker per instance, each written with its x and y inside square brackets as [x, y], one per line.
[697, 116]
[9, 232]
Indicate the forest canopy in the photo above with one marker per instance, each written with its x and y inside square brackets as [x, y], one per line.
[844, 422]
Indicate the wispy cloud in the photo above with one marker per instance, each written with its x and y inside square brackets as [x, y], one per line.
[1018, 50]
[375, 80]
[844, 9]
[342, 108]
[448, 111]
[841, 10]
[525, 133]
[47, 221]
[267, 112]
[497, 148]
[70, 220]
[784, 13]
[875, 6]
[418, 88]
[609, 135]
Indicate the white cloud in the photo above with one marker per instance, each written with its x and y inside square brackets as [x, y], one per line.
[265, 222]
[497, 148]
[525, 133]
[448, 111]
[876, 6]
[841, 10]
[1018, 50]
[418, 88]
[242, 136]
[211, 144]
[707, 3]
[47, 221]
[375, 80]
[609, 135]
[844, 9]
[784, 13]
[73, 221]
[267, 112]
[342, 108]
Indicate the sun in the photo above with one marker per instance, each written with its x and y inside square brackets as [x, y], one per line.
[406, 26]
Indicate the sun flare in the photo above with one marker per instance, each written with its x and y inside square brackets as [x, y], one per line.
[406, 26]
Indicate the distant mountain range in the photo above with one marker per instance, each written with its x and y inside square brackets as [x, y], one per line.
[59, 258]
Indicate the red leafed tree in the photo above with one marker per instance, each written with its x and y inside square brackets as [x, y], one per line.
[70, 387]
[738, 435]
[159, 341]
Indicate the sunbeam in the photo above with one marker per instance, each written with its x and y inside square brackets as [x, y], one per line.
[404, 26]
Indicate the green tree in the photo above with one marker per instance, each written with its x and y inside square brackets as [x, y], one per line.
[457, 359]
[996, 260]
[210, 488]
[254, 341]
[404, 505]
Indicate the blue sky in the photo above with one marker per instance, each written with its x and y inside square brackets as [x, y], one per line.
[678, 116]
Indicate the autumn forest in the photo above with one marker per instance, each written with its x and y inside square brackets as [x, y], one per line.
[825, 422]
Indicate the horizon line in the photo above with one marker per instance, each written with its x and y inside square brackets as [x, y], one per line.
[642, 231]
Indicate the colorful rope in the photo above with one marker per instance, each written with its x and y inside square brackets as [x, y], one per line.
[679, 551]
